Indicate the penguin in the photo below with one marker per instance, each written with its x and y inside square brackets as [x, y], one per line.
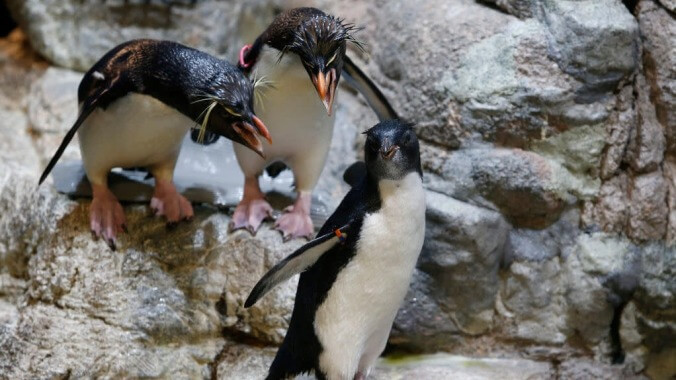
[136, 105]
[356, 272]
[302, 54]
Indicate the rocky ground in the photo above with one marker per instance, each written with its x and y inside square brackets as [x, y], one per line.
[549, 150]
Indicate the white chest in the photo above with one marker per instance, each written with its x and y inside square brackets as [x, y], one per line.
[290, 106]
[358, 312]
[136, 130]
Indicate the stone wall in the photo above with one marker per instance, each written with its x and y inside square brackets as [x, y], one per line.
[549, 150]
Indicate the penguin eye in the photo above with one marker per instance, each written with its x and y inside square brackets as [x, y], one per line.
[407, 138]
[371, 144]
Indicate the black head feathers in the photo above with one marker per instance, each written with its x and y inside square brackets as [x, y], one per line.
[392, 150]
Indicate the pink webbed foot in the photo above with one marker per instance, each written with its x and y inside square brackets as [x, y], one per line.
[106, 217]
[252, 210]
[296, 221]
[249, 214]
[167, 202]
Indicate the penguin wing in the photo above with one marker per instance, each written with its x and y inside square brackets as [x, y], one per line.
[297, 262]
[209, 137]
[375, 98]
[354, 173]
[87, 107]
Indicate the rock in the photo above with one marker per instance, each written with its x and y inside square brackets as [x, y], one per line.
[20, 66]
[647, 208]
[586, 369]
[76, 35]
[646, 142]
[53, 103]
[658, 34]
[532, 299]
[670, 177]
[440, 366]
[241, 362]
[422, 323]
[618, 127]
[611, 208]
[540, 245]
[519, 8]
[520, 184]
[462, 253]
[595, 41]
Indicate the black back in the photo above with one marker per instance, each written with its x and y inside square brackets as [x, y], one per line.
[173, 73]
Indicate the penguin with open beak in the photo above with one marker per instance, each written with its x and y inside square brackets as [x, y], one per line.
[355, 273]
[303, 54]
[136, 105]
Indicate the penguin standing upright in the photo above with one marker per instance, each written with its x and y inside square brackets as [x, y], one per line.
[136, 105]
[355, 274]
[299, 42]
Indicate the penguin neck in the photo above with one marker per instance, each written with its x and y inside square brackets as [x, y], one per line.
[406, 189]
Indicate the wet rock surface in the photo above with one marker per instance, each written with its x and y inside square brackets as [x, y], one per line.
[547, 136]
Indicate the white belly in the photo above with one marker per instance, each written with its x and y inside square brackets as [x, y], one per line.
[136, 130]
[354, 321]
[298, 123]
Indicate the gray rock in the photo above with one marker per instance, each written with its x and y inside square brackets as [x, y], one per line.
[611, 208]
[586, 369]
[422, 323]
[519, 8]
[532, 300]
[595, 41]
[658, 34]
[462, 253]
[648, 207]
[670, 176]
[539, 245]
[618, 127]
[75, 35]
[646, 142]
[242, 362]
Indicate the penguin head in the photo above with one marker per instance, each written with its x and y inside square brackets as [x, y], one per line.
[392, 150]
[318, 39]
[320, 43]
[229, 112]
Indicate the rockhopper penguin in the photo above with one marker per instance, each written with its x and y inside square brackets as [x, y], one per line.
[302, 54]
[136, 105]
[355, 274]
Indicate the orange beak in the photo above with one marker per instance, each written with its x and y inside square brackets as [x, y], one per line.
[249, 133]
[262, 129]
[326, 88]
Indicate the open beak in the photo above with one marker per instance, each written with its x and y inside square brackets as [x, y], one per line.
[249, 134]
[326, 88]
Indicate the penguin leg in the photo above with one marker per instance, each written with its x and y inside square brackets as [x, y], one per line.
[166, 200]
[106, 217]
[296, 221]
[306, 166]
[252, 209]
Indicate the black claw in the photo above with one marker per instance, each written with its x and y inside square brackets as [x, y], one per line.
[111, 244]
[171, 225]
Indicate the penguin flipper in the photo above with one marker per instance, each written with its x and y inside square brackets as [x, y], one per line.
[297, 262]
[87, 108]
[354, 173]
[362, 83]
